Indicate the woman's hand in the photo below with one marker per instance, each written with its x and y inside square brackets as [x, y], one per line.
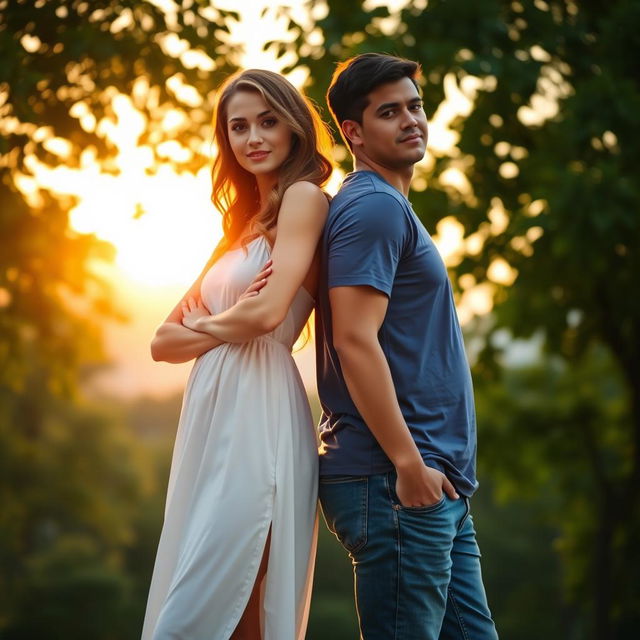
[258, 282]
[192, 311]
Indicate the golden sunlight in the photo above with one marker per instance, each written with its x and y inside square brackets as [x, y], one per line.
[161, 224]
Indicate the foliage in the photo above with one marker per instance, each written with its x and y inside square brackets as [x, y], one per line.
[542, 425]
[71, 482]
[542, 180]
[71, 592]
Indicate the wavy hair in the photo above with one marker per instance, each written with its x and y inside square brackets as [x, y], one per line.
[235, 190]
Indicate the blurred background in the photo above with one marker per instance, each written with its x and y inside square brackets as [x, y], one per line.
[530, 188]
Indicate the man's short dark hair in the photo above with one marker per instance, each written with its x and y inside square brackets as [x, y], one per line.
[354, 79]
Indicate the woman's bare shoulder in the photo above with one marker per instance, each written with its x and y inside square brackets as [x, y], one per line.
[305, 189]
[305, 200]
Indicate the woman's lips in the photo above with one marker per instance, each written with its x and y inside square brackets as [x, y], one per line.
[258, 155]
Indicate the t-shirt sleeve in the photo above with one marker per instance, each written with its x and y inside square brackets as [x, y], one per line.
[366, 241]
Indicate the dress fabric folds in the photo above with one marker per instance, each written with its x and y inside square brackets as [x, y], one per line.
[244, 462]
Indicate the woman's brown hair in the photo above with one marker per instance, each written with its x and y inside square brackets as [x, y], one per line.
[235, 191]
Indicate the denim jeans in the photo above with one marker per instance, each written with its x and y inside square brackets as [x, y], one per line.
[416, 569]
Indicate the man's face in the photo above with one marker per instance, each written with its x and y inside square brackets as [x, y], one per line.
[393, 132]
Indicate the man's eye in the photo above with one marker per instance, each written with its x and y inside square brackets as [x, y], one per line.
[387, 114]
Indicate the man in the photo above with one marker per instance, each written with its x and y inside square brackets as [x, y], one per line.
[398, 438]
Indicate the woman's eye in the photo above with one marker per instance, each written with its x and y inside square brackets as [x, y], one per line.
[269, 122]
[237, 127]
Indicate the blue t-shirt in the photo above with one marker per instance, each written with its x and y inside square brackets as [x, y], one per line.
[373, 237]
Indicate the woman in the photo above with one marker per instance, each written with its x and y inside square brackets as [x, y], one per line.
[235, 558]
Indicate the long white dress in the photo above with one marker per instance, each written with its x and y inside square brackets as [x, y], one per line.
[245, 460]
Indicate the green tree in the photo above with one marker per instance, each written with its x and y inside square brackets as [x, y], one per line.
[71, 592]
[538, 414]
[548, 150]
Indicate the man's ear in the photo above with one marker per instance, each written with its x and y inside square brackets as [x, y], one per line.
[352, 131]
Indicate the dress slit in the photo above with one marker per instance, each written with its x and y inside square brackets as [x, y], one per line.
[243, 601]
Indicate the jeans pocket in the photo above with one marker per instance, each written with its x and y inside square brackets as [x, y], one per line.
[426, 509]
[398, 506]
[344, 502]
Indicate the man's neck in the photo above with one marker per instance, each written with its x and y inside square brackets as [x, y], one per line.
[400, 179]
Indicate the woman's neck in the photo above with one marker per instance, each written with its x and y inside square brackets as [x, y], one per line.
[265, 183]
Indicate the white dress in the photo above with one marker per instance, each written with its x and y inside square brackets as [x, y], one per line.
[245, 460]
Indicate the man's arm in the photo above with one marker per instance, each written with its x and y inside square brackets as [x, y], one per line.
[358, 313]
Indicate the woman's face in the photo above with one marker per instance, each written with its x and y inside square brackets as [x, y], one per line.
[260, 141]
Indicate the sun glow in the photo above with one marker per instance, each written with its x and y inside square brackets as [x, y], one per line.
[160, 222]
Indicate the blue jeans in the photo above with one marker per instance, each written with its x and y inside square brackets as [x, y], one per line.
[417, 569]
